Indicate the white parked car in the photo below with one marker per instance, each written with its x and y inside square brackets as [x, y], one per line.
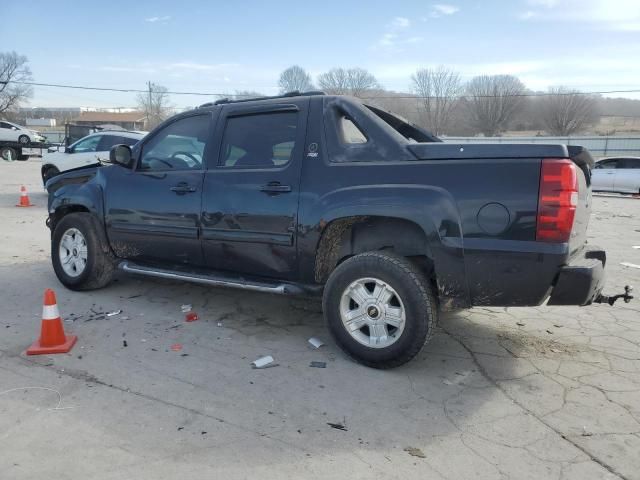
[89, 150]
[619, 174]
[10, 132]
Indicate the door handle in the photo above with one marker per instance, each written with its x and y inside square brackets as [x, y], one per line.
[183, 188]
[275, 187]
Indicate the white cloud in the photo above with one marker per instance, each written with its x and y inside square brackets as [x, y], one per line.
[400, 22]
[441, 9]
[162, 19]
[387, 40]
[199, 66]
[621, 15]
[397, 33]
[127, 69]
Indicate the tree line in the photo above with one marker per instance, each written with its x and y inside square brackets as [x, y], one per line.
[438, 99]
[442, 103]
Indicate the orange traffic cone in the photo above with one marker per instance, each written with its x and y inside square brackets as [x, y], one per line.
[24, 198]
[52, 338]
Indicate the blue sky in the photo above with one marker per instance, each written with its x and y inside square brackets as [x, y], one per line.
[223, 46]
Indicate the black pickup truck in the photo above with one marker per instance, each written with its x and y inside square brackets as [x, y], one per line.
[324, 195]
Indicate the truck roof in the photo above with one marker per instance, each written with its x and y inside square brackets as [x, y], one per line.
[295, 93]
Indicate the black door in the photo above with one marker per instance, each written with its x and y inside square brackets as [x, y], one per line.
[153, 211]
[250, 200]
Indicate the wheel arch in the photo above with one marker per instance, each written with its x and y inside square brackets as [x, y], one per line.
[422, 223]
[348, 236]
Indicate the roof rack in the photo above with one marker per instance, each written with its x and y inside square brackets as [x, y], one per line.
[295, 93]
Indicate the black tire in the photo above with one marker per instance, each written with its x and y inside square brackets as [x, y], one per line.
[100, 265]
[5, 152]
[48, 173]
[24, 139]
[411, 285]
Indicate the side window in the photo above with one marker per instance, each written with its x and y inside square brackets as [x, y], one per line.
[89, 144]
[607, 164]
[107, 142]
[260, 140]
[178, 146]
[5, 125]
[349, 132]
[632, 163]
[129, 141]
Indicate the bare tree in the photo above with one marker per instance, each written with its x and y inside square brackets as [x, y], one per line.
[350, 81]
[295, 78]
[13, 68]
[437, 91]
[244, 95]
[492, 101]
[565, 111]
[154, 104]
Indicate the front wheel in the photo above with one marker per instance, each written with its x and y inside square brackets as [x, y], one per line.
[380, 308]
[23, 139]
[80, 253]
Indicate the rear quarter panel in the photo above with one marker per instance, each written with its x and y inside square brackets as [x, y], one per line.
[478, 215]
[475, 262]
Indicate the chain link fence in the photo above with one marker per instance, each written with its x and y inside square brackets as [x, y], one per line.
[598, 146]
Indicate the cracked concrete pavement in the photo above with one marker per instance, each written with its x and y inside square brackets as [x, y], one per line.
[498, 393]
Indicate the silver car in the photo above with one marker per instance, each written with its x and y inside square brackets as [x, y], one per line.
[619, 174]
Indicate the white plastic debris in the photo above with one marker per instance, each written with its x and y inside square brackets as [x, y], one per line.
[459, 378]
[116, 312]
[631, 265]
[186, 307]
[316, 342]
[262, 362]
[219, 324]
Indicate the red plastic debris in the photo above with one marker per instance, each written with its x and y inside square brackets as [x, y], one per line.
[191, 317]
[176, 347]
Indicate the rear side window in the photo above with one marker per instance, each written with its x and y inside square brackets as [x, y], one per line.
[129, 140]
[259, 141]
[107, 142]
[632, 163]
[608, 164]
[349, 132]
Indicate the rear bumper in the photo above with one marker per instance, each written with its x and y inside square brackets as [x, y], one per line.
[580, 282]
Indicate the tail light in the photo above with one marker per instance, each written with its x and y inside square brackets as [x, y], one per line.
[557, 200]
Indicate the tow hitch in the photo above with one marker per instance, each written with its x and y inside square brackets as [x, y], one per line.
[626, 296]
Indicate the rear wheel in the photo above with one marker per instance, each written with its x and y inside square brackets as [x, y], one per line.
[380, 309]
[8, 154]
[80, 253]
[23, 139]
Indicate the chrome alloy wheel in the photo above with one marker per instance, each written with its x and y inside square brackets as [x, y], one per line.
[372, 312]
[73, 252]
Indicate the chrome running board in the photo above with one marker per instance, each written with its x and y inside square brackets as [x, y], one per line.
[219, 280]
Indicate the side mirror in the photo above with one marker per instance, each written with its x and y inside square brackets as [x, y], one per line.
[121, 155]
